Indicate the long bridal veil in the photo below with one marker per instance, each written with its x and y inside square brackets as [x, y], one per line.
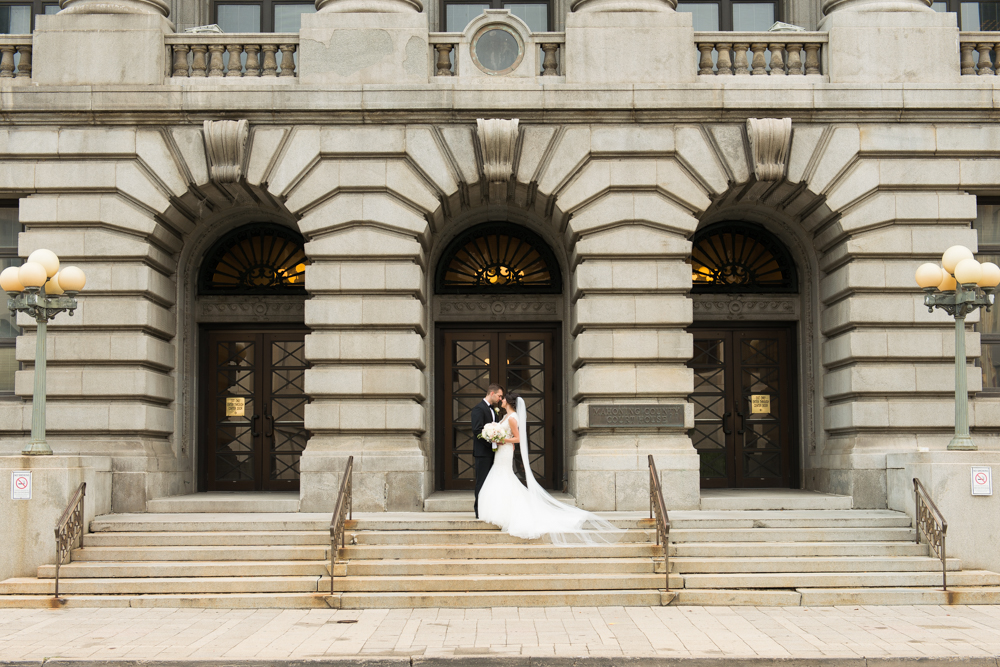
[563, 523]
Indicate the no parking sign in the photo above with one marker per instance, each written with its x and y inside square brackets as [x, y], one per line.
[20, 485]
[982, 481]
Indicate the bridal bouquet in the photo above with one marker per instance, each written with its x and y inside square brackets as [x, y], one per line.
[493, 433]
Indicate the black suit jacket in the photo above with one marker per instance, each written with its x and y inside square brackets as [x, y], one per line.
[481, 415]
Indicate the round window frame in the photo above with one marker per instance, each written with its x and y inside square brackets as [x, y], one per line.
[224, 243]
[509, 30]
[779, 251]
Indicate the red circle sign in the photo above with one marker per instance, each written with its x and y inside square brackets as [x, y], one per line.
[21, 482]
[980, 478]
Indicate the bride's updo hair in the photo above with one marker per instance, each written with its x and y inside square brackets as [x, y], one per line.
[511, 399]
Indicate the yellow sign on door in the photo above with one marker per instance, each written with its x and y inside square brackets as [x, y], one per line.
[235, 407]
[760, 403]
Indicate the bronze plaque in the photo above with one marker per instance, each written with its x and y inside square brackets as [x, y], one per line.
[643, 415]
[235, 407]
[760, 404]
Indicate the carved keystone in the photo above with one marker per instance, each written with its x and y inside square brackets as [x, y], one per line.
[225, 146]
[498, 139]
[770, 139]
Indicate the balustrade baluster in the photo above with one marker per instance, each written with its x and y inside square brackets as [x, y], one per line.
[253, 62]
[270, 61]
[24, 64]
[985, 62]
[235, 67]
[705, 65]
[996, 56]
[198, 60]
[444, 59]
[968, 63]
[795, 59]
[759, 63]
[180, 60]
[777, 59]
[7, 62]
[550, 66]
[725, 64]
[812, 58]
[215, 52]
[287, 60]
[740, 60]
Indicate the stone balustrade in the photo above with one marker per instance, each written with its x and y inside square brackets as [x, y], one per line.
[445, 44]
[759, 53]
[980, 53]
[15, 56]
[246, 55]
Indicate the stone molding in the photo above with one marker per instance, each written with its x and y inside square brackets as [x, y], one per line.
[745, 306]
[224, 309]
[226, 147]
[156, 7]
[500, 308]
[770, 139]
[623, 6]
[877, 6]
[498, 141]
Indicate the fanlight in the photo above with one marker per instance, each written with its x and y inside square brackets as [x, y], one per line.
[740, 257]
[498, 257]
[257, 259]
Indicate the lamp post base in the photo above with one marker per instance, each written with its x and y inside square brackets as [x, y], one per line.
[37, 449]
[962, 443]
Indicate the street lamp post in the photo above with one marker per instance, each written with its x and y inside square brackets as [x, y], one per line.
[960, 286]
[39, 288]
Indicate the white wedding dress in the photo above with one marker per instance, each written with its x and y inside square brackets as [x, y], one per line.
[531, 512]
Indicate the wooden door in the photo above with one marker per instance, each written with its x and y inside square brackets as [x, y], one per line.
[744, 403]
[252, 424]
[525, 361]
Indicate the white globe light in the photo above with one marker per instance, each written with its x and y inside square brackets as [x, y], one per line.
[52, 287]
[947, 283]
[990, 277]
[72, 279]
[953, 255]
[46, 258]
[968, 271]
[32, 274]
[929, 275]
[9, 280]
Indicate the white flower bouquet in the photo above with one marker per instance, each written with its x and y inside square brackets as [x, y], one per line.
[493, 433]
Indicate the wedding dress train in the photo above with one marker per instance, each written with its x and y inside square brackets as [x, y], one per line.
[531, 512]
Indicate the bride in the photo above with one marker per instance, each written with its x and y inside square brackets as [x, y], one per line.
[530, 512]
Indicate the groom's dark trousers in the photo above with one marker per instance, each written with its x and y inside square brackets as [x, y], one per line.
[482, 450]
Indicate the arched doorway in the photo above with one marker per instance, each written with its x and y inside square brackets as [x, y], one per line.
[498, 283]
[251, 413]
[744, 394]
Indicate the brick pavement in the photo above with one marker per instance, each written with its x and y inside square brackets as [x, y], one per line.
[413, 635]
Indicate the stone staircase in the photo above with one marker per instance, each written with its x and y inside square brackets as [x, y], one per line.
[447, 559]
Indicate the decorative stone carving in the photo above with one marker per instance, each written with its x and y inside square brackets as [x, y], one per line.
[498, 140]
[369, 6]
[116, 7]
[745, 306]
[623, 5]
[226, 145]
[877, 6]
[498, 308]
[770, 139]
[251, 309]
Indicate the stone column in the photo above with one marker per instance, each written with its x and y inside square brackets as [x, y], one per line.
[94, 42]
[364, 41]
[889, 41]
[629, 41]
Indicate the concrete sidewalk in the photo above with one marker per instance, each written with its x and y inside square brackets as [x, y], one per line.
[508, 636]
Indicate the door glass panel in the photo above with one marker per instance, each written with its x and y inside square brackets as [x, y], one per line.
[525, 360]
[705, 15]
[708, 435]
[752, 16]
[760, 394]
[288, 16]
[15, 19]
[457, 16]
[234, 441]
[238, 18]
[285, 428]
[470, 377]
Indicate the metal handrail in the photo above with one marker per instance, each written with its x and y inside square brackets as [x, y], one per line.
[69, 528]
[342, 509]
[929, 519]
[658, 510]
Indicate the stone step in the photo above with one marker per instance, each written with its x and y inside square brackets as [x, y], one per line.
[201, 538]
[790, 519]
[220, 501]
[505, 551]
[795, 580]
[736, 598]
[161, 585]
[100, 569]
[184, 522]
[794, 535]
[495, 566]
[826, 597]
[206, 601]
[201, 553]
[482, 537]
[797, 549]
[772, 499]
[463, 501]
[471, 600]
[811, 564]
[533, 582]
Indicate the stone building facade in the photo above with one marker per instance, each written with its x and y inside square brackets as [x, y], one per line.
[650, 161]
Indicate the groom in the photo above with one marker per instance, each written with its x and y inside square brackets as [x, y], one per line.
[482, 450]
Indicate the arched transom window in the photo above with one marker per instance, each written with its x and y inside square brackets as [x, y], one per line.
[740, 257]
[256, 259]
[498, 257]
